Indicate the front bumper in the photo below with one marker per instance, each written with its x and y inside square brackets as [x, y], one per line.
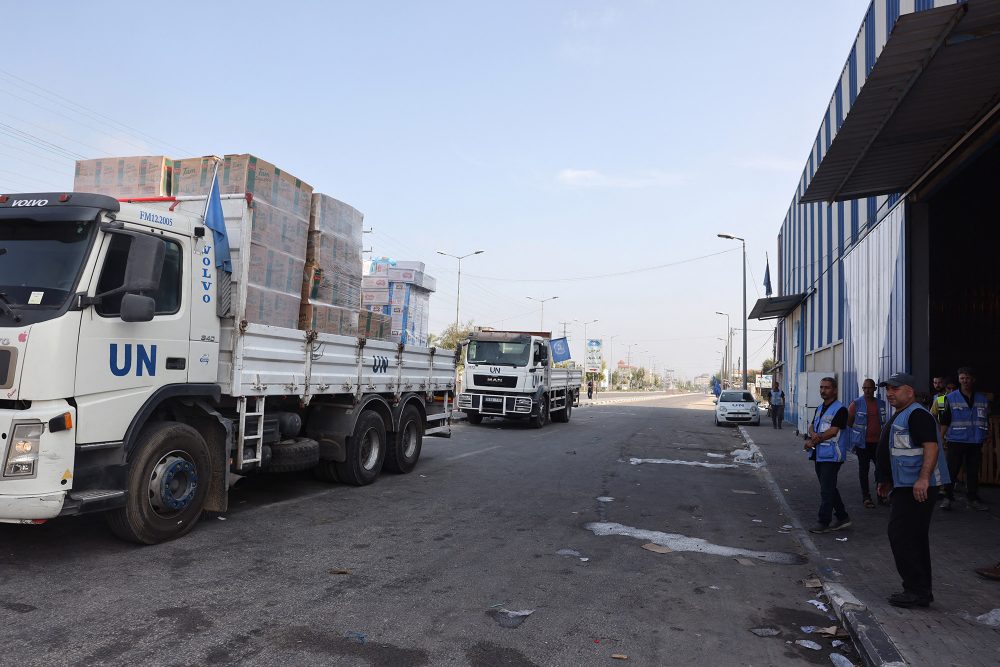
[496, 404]
[738, 417]
[42, 494]
[29, 509]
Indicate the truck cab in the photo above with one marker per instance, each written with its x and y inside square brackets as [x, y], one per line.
[510, 374]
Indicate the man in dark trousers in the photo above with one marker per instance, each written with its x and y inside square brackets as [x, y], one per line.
[866, 416]
[965, 423]
[777, 406]
[827, 443]
[910, 469]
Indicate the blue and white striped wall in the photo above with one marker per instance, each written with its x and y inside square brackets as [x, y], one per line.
[817, 240]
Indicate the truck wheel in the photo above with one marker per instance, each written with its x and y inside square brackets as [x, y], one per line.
[542, 418]
[404, 449]
[293, 454]
[563, 416]
[365, 451]
[167, 484]
[474, 417]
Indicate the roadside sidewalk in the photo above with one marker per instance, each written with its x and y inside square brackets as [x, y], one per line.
[947, 633]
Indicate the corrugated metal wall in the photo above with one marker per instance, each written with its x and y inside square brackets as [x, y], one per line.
[875, 291]
[815, 237]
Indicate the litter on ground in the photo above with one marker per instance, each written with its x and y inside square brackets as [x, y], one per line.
[507, 618]
[808, 629]
[812, 583]
[745, 492]
[991, 618]
[808, 643]
[819, 605]
[657, 548]
[765, 632]
[840, 661]
[841, 539]
[744, 561]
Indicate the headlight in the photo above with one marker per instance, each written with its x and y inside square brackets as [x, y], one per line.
[722, 409]
[522, 402]
[22, 454]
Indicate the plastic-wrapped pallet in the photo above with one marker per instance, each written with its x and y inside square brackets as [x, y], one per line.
[123, 177]
[280, 233]
[373, 325]
[331, 287]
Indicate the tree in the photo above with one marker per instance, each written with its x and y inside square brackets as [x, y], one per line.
[453, 335]
[768, 366]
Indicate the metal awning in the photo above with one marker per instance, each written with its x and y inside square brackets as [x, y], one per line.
[936, 78]
[776, 306]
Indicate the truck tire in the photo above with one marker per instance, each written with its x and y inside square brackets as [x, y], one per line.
[168, 479]
[542, 418]
[474, 417]
[404, 449]
[365, 451]
[563, 416]
[293, 454]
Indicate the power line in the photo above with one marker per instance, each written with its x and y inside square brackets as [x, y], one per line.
[607, 275]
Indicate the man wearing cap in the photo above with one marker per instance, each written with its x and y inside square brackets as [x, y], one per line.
[827, 443]
[866, 416]
[911, 469]
[964, 426]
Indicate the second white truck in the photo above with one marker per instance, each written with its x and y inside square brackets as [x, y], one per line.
[510, 374]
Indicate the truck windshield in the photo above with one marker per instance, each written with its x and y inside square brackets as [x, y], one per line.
[40, 262]
[496, 353]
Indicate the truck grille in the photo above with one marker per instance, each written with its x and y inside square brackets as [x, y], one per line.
[507, 381]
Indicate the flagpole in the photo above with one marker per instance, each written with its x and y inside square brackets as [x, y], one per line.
[208, 197]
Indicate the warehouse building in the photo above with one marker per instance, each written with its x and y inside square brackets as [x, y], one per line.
[888, 252]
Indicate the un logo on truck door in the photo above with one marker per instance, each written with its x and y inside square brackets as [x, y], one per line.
[380, 364]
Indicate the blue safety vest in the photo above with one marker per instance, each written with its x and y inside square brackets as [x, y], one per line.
[968, 424]
[776, 398]
[860, 428]
[908, 458]
[830, 450]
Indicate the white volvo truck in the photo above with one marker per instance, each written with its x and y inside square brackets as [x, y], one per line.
[510, 374]
[131, 383]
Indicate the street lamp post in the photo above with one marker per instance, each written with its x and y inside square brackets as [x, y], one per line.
[542, 301]
[611, 378]
[744, 243]
[458, 289]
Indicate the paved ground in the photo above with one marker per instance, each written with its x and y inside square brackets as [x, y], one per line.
[945, 634]
[415, 569]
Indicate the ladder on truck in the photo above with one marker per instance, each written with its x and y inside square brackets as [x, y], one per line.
[243, 437]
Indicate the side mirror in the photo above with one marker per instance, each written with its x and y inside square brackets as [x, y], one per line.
[137, 308]
[144, 266]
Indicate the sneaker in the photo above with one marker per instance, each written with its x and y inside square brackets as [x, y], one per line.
[820, 528]
[946, 504]
[989, 572]
[978, 505]
[907, 599]
[839, 524]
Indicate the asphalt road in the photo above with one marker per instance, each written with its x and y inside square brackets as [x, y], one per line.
[416, 569]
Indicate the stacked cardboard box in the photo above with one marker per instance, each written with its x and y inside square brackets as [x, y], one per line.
[377, 326]
[331, 285]
[280, 234]
[402, 291]
[124, 177]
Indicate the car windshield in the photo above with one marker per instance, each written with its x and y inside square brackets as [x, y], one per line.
[497, 353]
[40, 261]
[736, 397]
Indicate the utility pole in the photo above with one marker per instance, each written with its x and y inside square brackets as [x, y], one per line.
[742, 241]
[564, 327]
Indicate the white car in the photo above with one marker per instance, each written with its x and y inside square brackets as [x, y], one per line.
[736, 407]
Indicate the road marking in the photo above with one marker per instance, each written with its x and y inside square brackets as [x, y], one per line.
[635, 462]
[478, 451]
[679, 542]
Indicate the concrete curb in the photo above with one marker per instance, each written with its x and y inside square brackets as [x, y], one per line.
[870, 640]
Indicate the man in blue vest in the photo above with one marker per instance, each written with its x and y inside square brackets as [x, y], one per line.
[866, 417]
[911, 468]
[777, 401]
[965, 423]
[827, 443]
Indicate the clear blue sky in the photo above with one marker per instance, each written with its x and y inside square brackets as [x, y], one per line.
[565, 138]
